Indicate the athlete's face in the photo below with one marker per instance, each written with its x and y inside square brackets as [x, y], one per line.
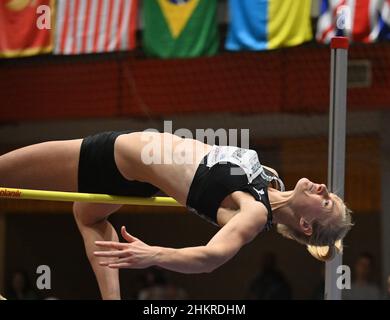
[313, 201]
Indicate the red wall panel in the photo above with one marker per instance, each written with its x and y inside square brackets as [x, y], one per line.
[291, 80]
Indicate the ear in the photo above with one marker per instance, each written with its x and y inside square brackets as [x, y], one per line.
[305, 227]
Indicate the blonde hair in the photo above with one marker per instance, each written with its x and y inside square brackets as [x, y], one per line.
[325, 240]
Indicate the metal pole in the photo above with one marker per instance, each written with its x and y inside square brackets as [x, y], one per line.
[385, 196]
[336, 152]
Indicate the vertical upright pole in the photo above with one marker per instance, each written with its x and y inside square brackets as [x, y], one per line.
[385, 196]
[2, 252]
[337, 137]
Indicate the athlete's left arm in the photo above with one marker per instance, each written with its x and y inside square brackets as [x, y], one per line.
[225, 244]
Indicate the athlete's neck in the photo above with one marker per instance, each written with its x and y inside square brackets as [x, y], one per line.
[281, 208]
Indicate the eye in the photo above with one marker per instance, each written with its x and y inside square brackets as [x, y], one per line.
[326, 203]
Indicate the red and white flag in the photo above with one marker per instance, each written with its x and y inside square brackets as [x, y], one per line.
[360, 20]
[20, 33]
[93, 26]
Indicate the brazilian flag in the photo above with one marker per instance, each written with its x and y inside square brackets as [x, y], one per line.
[180, 28]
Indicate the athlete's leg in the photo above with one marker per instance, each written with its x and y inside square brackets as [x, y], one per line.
[54, 166]
[49, 165]
[93, 225]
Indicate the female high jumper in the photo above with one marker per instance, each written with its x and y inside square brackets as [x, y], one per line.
[225, 185]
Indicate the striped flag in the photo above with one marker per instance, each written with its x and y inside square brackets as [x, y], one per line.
[360, 20]
[93, 26]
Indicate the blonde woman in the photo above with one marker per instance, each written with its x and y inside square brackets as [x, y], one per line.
[227, 186]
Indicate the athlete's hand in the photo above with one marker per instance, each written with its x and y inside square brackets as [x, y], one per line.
[134, 255]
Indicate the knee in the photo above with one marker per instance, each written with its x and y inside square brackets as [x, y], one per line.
[77, 213]
[84, 216]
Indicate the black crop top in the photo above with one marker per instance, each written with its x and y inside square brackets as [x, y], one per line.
[225, 170]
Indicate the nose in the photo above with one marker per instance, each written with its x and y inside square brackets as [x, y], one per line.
[322, 189]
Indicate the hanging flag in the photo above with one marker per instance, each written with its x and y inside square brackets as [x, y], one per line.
[359, 20]
[94, 26]
[180, 28]
[25, 27]
[268, 24]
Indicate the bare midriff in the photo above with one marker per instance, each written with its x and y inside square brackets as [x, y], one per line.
[167, 161]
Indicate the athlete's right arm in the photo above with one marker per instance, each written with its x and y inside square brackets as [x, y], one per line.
[240, 230]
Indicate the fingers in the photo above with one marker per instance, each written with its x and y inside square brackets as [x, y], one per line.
[109, 263]
[122, 258]
[128, 237]
[112, 254]
[121, 265]
[122, 262]
[111, 245]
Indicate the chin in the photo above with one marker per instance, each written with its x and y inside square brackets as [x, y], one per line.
[302, 184]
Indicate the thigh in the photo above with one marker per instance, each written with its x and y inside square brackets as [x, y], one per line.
[49, 165]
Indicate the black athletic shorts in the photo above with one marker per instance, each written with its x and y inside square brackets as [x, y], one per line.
[98, 172]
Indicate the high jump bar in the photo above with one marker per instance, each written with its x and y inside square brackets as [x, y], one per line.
[28, 194]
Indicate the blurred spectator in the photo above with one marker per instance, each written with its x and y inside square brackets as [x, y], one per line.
[387, 292]
[363, 288]
[51, 298]
[158, 287]
[19, 287]
[270, 283]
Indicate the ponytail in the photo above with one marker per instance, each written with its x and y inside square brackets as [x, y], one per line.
[325, 253]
